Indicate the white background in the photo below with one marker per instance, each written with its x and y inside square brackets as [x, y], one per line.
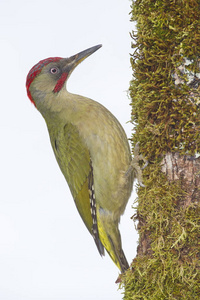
[46, 251]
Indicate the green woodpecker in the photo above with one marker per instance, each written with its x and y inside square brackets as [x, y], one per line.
[91, 149]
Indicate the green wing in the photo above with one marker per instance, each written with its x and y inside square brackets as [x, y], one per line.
[75, 162]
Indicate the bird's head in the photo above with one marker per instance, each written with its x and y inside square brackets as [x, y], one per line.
[50, 75]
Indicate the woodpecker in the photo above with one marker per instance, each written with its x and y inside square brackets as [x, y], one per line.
[91, 149]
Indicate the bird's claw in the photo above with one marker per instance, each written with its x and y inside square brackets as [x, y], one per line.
[135, 167]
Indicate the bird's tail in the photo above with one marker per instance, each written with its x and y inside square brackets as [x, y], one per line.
[119, 257]
[110, 238]
[123, 262]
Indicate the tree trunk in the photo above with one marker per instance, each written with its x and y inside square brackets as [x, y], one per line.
[165, 107]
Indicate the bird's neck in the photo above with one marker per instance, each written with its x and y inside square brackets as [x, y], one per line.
[53, 105]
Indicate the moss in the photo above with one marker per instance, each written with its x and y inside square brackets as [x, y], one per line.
[167, 33]
[165, 111]
[169, 266]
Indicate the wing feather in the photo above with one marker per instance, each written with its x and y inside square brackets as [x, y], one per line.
[75, 163]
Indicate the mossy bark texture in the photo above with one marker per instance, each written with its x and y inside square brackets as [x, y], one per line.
[165, 94]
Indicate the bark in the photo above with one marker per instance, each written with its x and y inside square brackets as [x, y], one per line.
[187, 170]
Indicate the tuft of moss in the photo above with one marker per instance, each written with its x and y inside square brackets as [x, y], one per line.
[165, 94]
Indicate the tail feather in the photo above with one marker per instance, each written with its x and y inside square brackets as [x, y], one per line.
[119, 257]
[123, 262]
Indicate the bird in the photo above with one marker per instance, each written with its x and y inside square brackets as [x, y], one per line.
[91, 148]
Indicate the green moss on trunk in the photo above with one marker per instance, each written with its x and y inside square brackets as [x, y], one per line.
[167, 33]
[165, 94]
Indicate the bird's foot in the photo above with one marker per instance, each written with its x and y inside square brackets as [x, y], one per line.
[135, 167]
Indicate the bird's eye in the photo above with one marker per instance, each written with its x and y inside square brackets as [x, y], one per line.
[54, 70]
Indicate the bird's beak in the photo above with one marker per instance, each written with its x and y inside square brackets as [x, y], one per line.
[76, 59]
